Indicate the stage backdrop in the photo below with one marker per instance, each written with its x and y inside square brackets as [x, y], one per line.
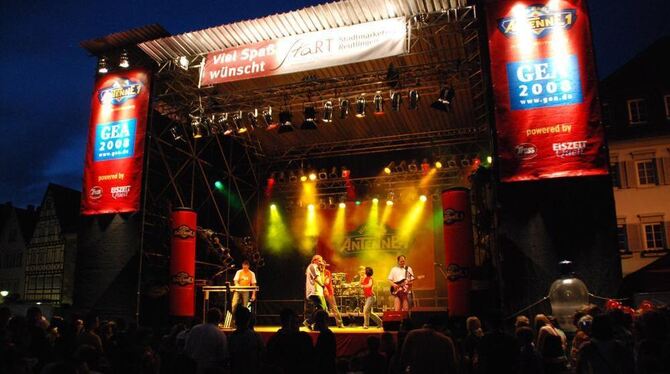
[545, 88]
[115, 150]
[362, 235]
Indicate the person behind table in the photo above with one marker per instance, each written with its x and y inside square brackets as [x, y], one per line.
[314, 283]
[244, 277]
[401, 272]
[367, 283]
[329, 296]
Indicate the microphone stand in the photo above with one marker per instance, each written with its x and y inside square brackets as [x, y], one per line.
[441, 268]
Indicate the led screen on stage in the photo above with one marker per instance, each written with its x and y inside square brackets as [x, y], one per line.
[115, 150]
[545, 89]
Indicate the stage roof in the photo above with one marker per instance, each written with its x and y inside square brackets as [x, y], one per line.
[444, 47]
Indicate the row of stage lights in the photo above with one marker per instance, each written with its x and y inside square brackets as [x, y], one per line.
[342, 204]
[124, 62]
[241, 122]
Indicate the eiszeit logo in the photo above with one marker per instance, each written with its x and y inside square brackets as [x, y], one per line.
[182, 279]
[539, 19]
[95, 192]
[120, 191]
[568, 149]
[525, 151]
[453, 216]
[183, 232]
[119, 92]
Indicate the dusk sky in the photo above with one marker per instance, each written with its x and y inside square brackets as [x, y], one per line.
[47, 77]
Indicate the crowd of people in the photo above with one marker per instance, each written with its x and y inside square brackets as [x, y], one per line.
[611, 341]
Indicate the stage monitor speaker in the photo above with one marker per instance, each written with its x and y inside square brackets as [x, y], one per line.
[391, 320]
[421, 315]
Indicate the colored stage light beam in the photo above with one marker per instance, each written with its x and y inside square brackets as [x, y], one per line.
[231, 198]
[339, 226]
[308, 195]
[372, 224]
[425, 180]
[269, 187]
[310, 230]
[351, 189]
[386, 214]
[277, 236]
[411, 220]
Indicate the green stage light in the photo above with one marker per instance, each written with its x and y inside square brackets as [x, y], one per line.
[218, 185]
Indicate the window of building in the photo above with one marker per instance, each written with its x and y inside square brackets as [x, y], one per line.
[654, 236]
[637, 111]
[622, 238]
[646, 172]
[614, 173]
[666, 98]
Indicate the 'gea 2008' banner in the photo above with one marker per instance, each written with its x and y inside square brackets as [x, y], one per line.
[339, 46]
[545, 88]
[115, 150]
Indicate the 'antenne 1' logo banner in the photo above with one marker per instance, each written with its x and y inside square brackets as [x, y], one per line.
[545, 88]
[115, 150]
[314, 50]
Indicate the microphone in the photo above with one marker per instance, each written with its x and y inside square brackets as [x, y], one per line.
[437, 264]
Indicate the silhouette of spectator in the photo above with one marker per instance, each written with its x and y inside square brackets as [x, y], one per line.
[603, 354]
[90, 334]
[471, 343]
[582, 336]
[653, 353]
[290, 349]
[207, 344]
[428, 351]
[551, 343]
[373, 362]
[530, 360]
[325, 348]
[246, 346]
[498, 351]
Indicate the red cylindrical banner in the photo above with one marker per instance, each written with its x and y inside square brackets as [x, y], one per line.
[458, 248]
[182, 263]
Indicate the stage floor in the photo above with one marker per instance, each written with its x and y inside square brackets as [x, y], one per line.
[350, 341]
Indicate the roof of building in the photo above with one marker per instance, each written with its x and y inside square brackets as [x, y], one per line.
[27, 218]
[67, 203]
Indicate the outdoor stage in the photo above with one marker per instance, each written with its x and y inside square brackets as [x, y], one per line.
[350, 341]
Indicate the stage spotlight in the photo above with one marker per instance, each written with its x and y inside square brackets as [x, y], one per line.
[198, 128]
[379, 103]
[343, 205]
[267, 119]
[344, 108]
[303, 178]
[222, 121]
[322, 204]
[218, 185]
[237, 123]
[323, 174]
[375, 200]
[423, 198]
[252, 119]
[333, 172]
[358, 202]
[292, 178]
[331, 202]
[438, 165]
[396, 100]
[451, 164]
[412, 167]
[443, 102]
[310, 117]
[328, 112]
[401, 168]
[413, 99]
[102, 65]
[489, 160]
[310, 207]
[273, 206]
[360, 107]
[124, 62]
[183, 62]
[425, 166]
[174, 130]
[312, 176]
[282, 177]
[389, 168]
[389, 202]
[345, 172]
[285, 124]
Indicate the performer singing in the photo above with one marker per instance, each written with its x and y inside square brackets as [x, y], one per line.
[244, 277]
[401, 277]
[329, 295]
[314, 283]
[367, 283]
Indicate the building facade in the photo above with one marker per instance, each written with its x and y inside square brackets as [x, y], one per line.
[636, 112]
[51, 253]
[16, 227]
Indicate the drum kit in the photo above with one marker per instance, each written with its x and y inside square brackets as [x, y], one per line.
[348, 295]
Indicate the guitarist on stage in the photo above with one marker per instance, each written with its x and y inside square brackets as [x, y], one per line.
[401, 278]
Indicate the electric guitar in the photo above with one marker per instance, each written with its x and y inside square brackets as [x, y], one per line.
[404, 286]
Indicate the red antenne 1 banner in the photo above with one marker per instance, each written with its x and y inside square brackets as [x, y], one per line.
[115, 150]
[545, 89]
